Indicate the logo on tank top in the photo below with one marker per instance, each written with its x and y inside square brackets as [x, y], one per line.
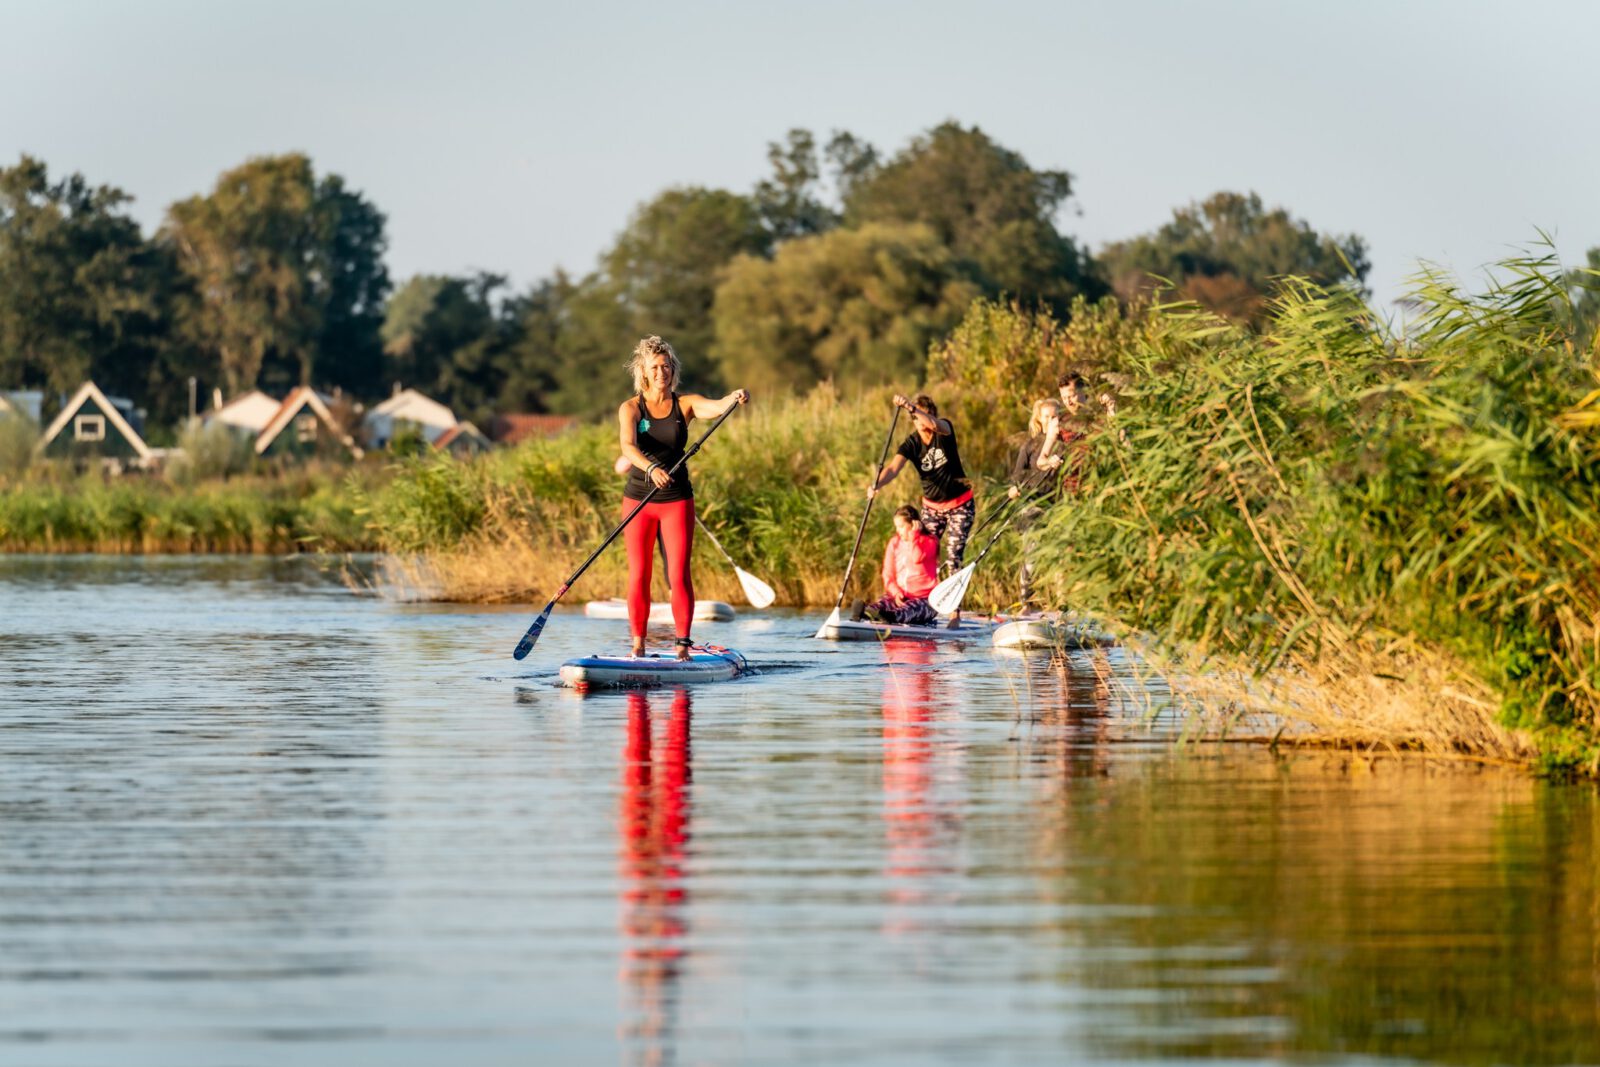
[644, 425]
[933, 459]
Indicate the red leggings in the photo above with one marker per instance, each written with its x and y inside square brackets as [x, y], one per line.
[675, 522]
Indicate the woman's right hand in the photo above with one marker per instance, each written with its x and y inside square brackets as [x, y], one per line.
[660, 478]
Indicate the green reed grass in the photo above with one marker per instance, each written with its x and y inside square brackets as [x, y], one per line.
[302, 512]
[1281, 495]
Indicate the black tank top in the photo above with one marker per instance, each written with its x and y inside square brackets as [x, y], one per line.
[664, 441]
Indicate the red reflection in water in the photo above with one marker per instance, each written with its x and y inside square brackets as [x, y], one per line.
[653, 825]
[918, 842]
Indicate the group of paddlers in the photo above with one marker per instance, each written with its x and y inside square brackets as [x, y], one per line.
[1047, 464]
[654, 434]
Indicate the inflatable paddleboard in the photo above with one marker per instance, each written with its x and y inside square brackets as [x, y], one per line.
[628, 672]
[1047, 633]
[838, 628]
[660, 610]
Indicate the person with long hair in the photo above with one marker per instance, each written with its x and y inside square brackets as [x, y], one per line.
[948, 505]
[654, 429]
[910, 571]
[1036, 480]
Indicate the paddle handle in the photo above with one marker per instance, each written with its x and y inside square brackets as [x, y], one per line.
[861, 528]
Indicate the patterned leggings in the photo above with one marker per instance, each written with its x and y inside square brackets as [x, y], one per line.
[955, 526]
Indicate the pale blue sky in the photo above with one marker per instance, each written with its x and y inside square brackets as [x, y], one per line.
[517, 137]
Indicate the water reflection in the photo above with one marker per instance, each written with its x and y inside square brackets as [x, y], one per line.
[653, 825]
[922, 823]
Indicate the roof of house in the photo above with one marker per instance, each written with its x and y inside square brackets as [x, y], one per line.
[511, 429]
[299, 398]
[460, 429]
[412, 406]
[248, 411]
[86, 393]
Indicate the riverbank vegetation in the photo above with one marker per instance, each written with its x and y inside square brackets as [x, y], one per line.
[310, 510]
[1385, 534]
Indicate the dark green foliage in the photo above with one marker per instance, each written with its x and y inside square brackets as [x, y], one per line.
[450, 338]
[1226, 255]
[985, 203]
[1584, 286]
[855, 306]
[789, 201]
[81, 291]
[282, 268]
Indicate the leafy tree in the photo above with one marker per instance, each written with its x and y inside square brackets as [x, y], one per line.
[80, 287]
[1225, 252]
[448, 337]
[1584, 286]
[993, 211]
[788, 201]
[282, 268]
[349, 349]
[664, 266]
[857, 306]
[538, 368]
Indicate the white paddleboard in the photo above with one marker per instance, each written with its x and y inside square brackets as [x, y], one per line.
[610, 672]
[1047, 633]
[660, 610]
[838, 628]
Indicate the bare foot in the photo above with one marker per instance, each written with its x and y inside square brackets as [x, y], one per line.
[638, 649]
[683, 652]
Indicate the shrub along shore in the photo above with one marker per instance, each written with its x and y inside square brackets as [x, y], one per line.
[306, 512]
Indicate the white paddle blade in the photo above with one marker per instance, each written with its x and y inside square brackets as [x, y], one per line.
[948, 594]
[756, 591]
[831, 620]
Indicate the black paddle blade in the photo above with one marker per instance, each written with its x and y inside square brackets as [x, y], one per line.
[531, 638]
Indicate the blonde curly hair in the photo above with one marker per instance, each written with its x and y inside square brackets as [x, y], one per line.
[653, 346]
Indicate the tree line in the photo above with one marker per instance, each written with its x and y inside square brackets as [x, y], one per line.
[844, 263]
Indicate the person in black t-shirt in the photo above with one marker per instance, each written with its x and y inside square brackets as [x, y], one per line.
[947, 502]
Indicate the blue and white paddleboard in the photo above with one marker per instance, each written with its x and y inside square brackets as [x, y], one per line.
[630, 672]
[660, 610]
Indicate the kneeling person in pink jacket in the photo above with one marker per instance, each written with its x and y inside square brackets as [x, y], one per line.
[910, 571]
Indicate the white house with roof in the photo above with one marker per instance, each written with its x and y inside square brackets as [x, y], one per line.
[246, 414]
[94, 426]
[407, 407]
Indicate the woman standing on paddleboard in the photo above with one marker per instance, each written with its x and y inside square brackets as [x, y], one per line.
[654, 428]
[947, 502]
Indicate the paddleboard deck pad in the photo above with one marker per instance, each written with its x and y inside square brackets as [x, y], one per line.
[660, 610]
[838, 628]
[705, 664]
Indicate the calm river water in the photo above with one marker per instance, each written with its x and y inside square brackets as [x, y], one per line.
[247, 817]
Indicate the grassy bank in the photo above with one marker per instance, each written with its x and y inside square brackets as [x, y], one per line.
[308, 511]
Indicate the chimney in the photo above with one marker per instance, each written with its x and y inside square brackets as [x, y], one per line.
[216, 397]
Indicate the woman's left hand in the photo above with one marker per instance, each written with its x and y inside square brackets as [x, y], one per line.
[738, 396]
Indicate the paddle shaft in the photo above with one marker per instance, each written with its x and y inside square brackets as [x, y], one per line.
[715, 543]
[861, 528]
